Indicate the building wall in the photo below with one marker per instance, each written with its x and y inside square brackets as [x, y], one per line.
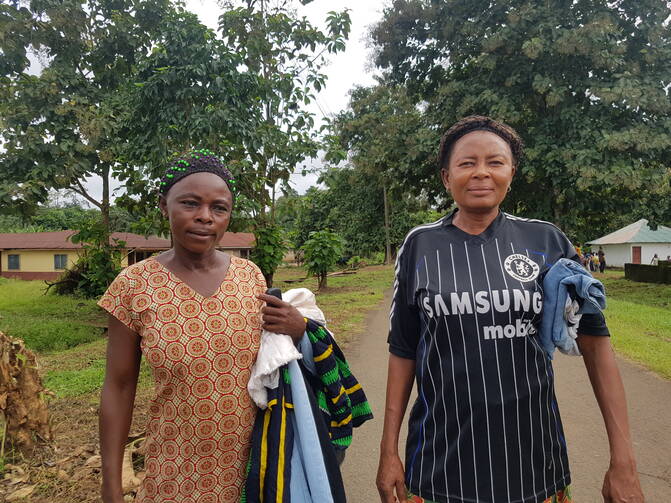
[39, 264]
[616, 255]
[648, 250]
[35, 264]
[620, 254]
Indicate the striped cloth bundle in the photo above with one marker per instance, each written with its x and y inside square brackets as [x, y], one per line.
[338, 405]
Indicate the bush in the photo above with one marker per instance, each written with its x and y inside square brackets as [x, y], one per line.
[96, 268]
[322, 251]
[269, 250]
[377, 258]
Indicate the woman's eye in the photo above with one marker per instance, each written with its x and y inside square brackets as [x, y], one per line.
[222, 209]
[190, 203]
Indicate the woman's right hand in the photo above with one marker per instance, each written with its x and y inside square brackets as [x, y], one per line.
[391, 479]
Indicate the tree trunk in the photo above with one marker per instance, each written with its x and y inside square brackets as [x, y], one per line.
[387, 255]
[105, 203]
[322, 281]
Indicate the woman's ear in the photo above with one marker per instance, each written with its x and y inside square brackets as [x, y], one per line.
[445, 177]
[163, 205]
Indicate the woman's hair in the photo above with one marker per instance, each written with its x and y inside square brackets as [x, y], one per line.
[479, 123]
[196, 161]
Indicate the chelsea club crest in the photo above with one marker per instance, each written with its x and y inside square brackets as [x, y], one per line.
[521, 267]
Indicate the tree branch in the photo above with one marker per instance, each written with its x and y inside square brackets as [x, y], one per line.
[82, 192]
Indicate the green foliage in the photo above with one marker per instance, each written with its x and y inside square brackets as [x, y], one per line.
[269, 250]
[322, 250]
[352, 205]
[585, 84]
[287, 53]
[377, 258]
[355, 262]
[58, 218]
[97, 266]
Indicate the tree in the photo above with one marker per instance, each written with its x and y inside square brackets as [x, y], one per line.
[123, 85]
[286, 52]
[322, 251]
[584, 82]
[384, 133]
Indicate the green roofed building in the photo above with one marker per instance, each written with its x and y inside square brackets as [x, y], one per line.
[636, 243]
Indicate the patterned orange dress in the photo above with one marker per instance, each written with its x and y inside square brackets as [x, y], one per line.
[201, 350]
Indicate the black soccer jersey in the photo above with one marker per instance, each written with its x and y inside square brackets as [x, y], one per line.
[485, 426]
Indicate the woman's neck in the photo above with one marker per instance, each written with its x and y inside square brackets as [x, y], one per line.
[474, 222]
[190, 261]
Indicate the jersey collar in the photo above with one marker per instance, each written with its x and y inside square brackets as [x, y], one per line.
[486, 235]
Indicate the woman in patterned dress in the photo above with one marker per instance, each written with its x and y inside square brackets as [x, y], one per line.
[194, 313]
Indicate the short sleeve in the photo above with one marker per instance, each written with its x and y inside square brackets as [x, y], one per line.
[590, 324]
[404, 325]
[260, 280]
[118, 299]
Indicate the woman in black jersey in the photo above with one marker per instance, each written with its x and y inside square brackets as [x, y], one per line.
[467, 304]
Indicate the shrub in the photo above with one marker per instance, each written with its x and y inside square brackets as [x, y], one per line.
[322, 251]
[377, 258]
[269, 250]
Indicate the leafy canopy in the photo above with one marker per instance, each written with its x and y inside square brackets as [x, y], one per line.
[584, 82]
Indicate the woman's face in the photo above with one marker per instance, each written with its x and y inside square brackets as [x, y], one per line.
[199, 209]
[479, 171]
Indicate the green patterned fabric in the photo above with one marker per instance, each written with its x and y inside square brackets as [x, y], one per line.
[340, 397]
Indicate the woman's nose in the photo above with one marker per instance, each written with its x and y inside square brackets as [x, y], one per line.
[481, 169]
[204, 214]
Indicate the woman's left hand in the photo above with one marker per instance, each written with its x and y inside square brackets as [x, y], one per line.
[281, 317]
[621, 485]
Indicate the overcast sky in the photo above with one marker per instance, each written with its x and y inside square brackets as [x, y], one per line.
[344, 71]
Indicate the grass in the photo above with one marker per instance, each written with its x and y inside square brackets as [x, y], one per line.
[639, 319]
[79, 371]
[347, 298]
[47, 323]
[647, 294]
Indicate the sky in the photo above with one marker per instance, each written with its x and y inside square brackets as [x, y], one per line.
[344, 70]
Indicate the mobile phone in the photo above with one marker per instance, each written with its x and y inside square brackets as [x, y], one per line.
[275, 292]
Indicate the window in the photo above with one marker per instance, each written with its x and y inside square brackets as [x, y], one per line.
[60, 261]
[13, 262]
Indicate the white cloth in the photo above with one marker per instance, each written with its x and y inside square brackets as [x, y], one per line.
[278, 349]
[572, 320]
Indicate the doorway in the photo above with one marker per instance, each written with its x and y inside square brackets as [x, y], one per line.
[636, 254]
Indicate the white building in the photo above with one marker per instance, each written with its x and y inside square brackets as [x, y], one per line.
[634, 244]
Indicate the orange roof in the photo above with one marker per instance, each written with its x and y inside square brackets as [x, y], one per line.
[59, 240]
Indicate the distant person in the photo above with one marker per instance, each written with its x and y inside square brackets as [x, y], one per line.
[602, 260]
[655, 260]
[593, 262]
[485, 426]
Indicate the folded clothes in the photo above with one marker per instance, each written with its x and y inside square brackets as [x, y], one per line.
[310, 413]
[567, 281]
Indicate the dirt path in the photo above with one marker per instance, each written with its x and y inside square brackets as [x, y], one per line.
[649, 399]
